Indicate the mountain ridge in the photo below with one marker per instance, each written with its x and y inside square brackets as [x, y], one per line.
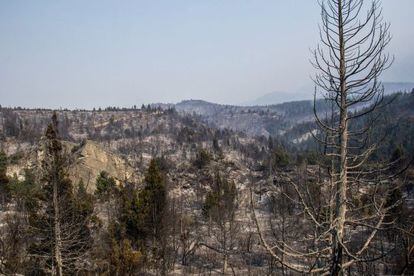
[278, 97]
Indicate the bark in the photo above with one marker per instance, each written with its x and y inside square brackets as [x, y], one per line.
[341, 198]
[225, 262]
[57, 231]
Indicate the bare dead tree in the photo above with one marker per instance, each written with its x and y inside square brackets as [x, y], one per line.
[220, 208]
[349, 61]
[13, 240]
[60, 227]
[188, 234]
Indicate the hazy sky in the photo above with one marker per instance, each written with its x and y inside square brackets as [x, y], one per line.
[99, 53]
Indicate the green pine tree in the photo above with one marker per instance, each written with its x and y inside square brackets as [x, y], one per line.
[153, 201]
[4, 180]
[105, 185]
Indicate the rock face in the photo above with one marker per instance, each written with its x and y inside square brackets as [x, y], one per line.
[86, 162]
[91, 158]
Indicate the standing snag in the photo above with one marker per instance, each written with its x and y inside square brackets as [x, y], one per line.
[349, 61]
[61, 237]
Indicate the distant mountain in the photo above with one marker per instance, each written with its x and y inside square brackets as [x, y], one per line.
[268, 120]
[306, 93]
[393, 127]
[199, 107]
[392, 87]
[253, 120]
[279, 97]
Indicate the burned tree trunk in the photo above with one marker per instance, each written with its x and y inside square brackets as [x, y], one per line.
[349, 62]
[57, 232]
[61, 237]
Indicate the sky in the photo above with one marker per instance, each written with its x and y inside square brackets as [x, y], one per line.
[98, 53]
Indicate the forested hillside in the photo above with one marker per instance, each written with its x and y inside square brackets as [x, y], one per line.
[322, 187]
[393, 127]
[278, 120]
[121, 166]
[116, 161]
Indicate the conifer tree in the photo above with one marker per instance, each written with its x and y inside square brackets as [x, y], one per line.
[4, 180]
[61, 237]
[105, 185]
[220, 208]
[343, 237]
[152, 202]
[142, 219]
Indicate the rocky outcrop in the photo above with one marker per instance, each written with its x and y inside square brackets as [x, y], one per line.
[86, 161]
[91, 158]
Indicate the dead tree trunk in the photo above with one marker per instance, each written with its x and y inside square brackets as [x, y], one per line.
[340, 212]
[60, 226]
[349, 61]
[57, 231]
